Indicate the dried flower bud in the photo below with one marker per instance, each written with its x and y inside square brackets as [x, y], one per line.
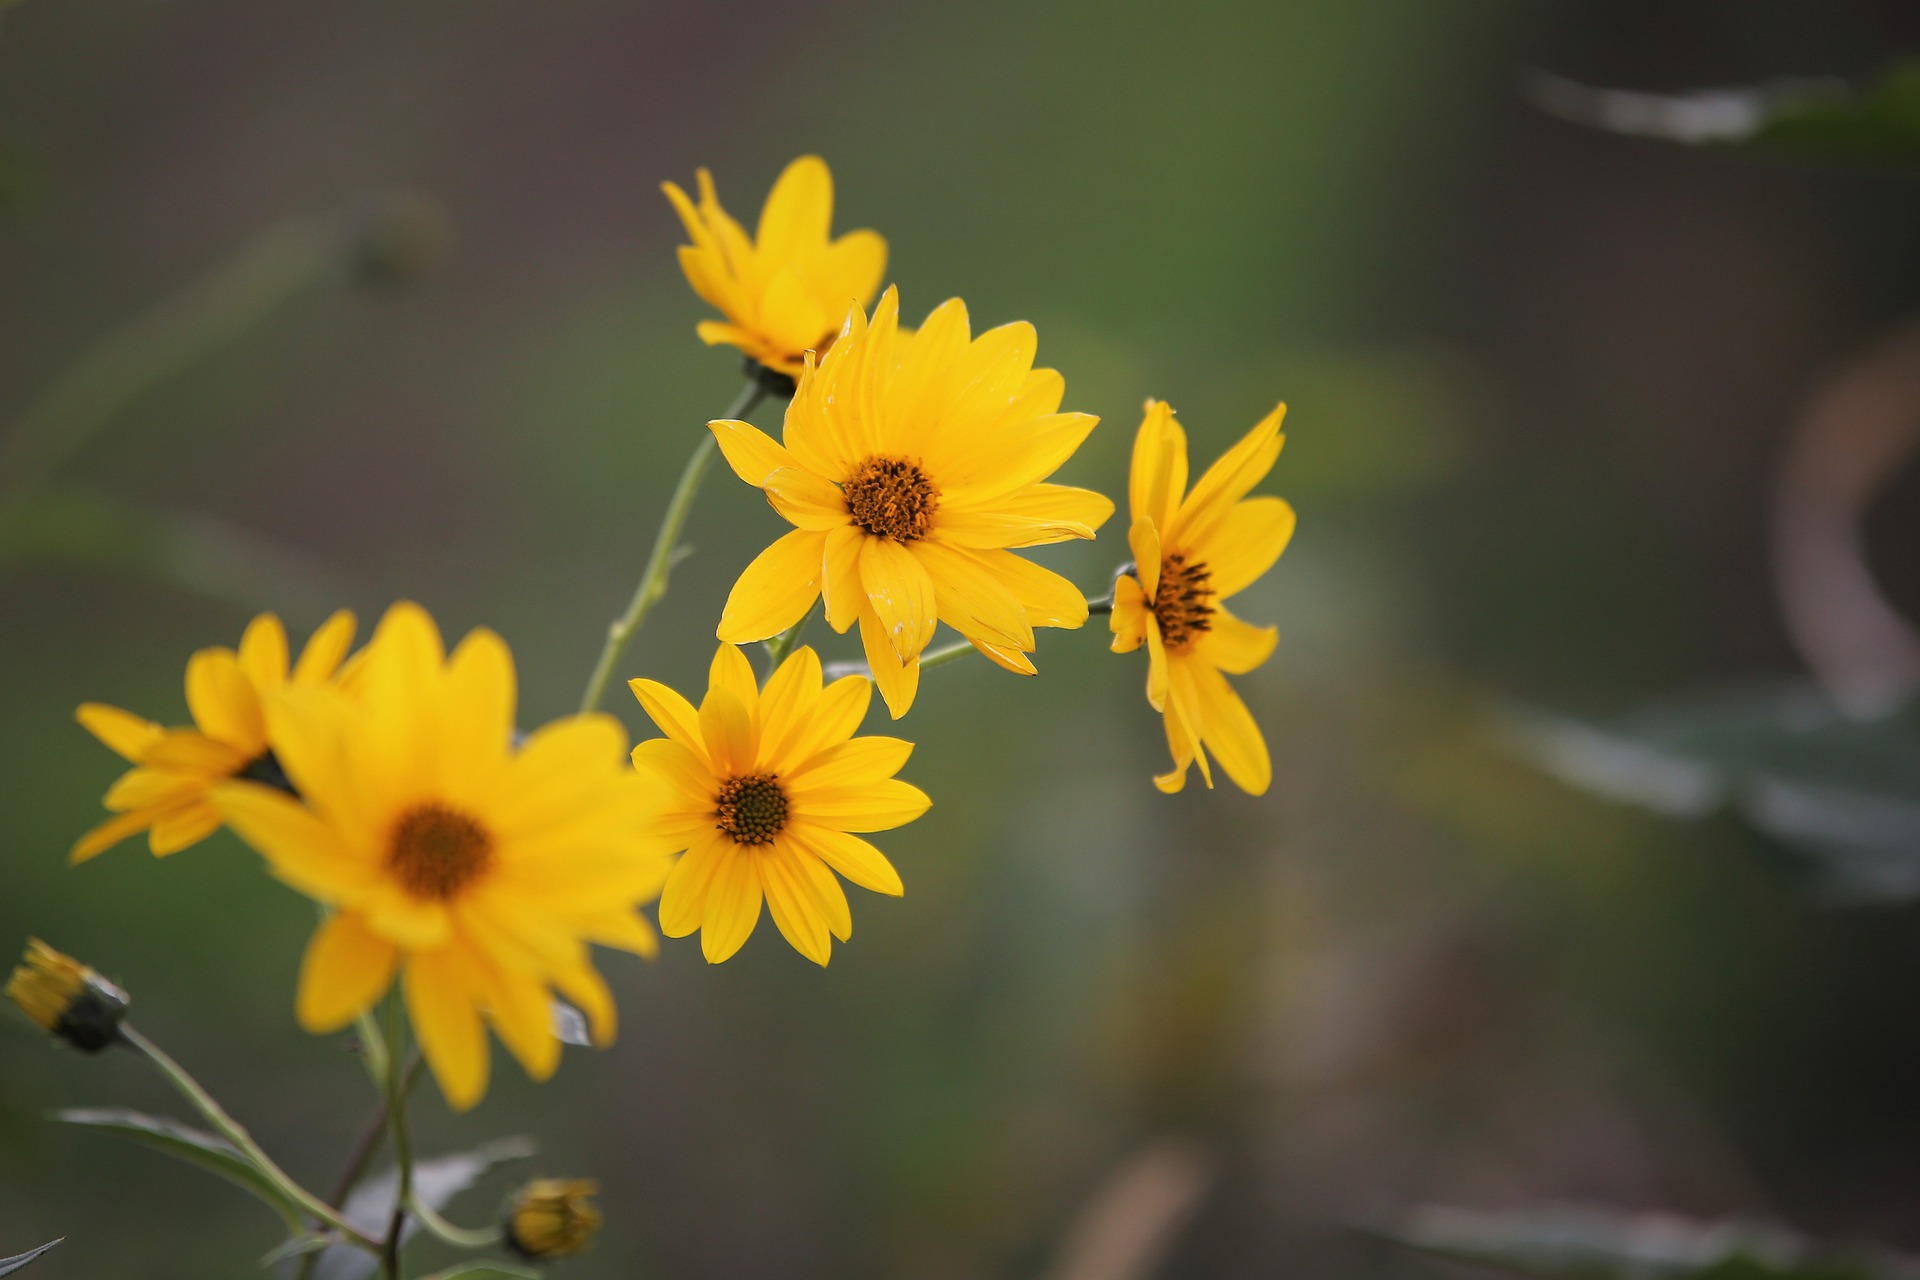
[552, 1218]
[66, 998]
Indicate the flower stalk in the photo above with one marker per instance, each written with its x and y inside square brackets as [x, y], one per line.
[665, 554]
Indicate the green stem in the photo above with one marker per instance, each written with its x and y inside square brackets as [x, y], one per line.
[951, 653]
[665, 553]
[235, 1133]
[159, 343]
[783, 644]
[459, 1237]
[396, 1099]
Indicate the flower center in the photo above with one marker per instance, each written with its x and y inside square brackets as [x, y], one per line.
[435, 852]
[750, 810]
[892, 498]
[1182, 602]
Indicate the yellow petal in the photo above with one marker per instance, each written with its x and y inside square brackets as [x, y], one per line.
[1014, 660]
[806, 500]
[834, 717]
[672, 713]
[1143, 537]
[150, 788]
[1227, 481]
[1048, 599]
[751, 452]
[731, 671]
[441, 996]
[326, 649]
[1130, 618]
[191, 751]
[1230, 732]
[852, 267]
[301, 849]
[307, 728]
[728, 728]
[263, 653]
[685, 776]
[479, 717]
[521, 1011]
[346, 969]
[182, 828]
[1246, 542]
[897, 681]
[586, 988]
[683, 901]
[798, 213]
[840, 576]
[1186, 713]
[121, 731]
[901, 595]
[224, 702]
[787, 705]
[853, 763]
[796, 912]
[851, 856]
[776, 589]
[732, 908]
[826, 891]
[1235, 645]
[872, 806]
[972, 600]
[1158, 478]
[108, 834]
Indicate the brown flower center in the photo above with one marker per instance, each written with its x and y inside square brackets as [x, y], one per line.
[751, 810]
[1183, 601]
[435, 852]
[892, 498]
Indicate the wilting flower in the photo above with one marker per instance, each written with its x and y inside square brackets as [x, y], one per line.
[1190, 552]
[168, 792]
[785, 291]
[66, 998]
[552, 1218]
[763, 788]
[478, 871]
[912, 464]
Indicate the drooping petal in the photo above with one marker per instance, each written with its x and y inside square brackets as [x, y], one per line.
[346, 969]
[796, 910]
[900, 594]
[1230, 732]
[1246, 543]
[441, 994]
[897, 681]
[972, 599]
[840, 576]
[1235, 645]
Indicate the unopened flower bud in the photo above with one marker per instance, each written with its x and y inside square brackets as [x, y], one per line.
[66, 998]
[552, 1218]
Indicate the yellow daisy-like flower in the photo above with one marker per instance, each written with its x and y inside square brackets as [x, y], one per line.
[1190, 552]
[478, 871]
[168, 792]
[767, 787]
[785, 291]
[913, 463]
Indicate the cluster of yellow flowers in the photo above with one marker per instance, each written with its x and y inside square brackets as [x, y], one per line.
[477, 866]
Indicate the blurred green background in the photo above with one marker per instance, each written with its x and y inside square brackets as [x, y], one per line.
[1539, 380]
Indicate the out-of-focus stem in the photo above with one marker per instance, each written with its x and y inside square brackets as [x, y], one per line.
[160, 342]
[665, 553]
[783, 644]
[235, 1133]
[396, 1099]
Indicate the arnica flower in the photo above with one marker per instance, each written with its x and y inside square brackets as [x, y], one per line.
[912, 465]
[785, 291]
[477, 871]
[552, 1218]
[168, 792]
[765, 787]
[66, 998]
[1190, 552]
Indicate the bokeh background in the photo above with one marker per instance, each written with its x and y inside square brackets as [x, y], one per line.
[1540, 381]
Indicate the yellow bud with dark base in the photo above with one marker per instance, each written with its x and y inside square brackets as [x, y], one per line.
[67, 999]
[552, 1218]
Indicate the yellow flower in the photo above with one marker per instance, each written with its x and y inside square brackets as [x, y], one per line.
[478, 871]
[785, 291]
[766, 787]
[66, 998]
[1190, 552]
[552, 1218]
[912, 464]
[168, 792]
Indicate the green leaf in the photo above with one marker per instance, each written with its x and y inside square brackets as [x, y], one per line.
[1585, 1243]
[298, 1246]
[10, 1265]
[1836, 791]
[1820, 118]
[436, 1181]
[183, 1143]
[485, 1268]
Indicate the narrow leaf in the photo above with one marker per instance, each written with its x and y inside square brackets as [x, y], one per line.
[10, 1265]
[473, 1270]
[436, 1181]
[183, 1143]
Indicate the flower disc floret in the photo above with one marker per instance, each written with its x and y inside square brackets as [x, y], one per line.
[750, 810]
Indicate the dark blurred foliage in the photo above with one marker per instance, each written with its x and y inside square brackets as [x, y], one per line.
[1540, 379]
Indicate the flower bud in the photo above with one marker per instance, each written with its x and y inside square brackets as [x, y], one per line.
[552, 1218]
[66, 998]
